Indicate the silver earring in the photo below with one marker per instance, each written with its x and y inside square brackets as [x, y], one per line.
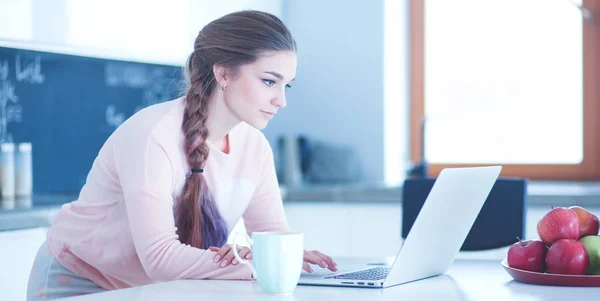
[223, 87]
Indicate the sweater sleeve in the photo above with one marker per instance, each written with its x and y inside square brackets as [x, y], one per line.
[265, 210]
[147, 179]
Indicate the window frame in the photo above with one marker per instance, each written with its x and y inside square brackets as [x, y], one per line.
[587, 170]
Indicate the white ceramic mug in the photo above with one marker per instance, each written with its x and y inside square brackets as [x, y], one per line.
[277, 259]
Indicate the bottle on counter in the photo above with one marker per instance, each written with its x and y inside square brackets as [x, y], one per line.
[7, 170]
[23, 171]
[290, 161]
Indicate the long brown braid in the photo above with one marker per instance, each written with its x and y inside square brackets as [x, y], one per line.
[232, 41]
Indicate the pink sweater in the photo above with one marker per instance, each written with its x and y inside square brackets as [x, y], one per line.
[120, 232]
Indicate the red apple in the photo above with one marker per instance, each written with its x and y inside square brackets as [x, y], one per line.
[558, 223]
[588, 222]
[567, 256]
[529, 255]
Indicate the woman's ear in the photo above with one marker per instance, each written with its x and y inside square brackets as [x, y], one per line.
[220, 75]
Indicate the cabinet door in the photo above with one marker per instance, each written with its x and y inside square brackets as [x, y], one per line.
[375, 229]
[325, 226]
[17, 252]
[345, 229]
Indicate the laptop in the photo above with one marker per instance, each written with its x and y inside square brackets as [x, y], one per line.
[450, 210]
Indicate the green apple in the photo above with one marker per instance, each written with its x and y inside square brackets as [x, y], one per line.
[592, 246]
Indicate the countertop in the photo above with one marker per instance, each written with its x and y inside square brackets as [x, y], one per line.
[465, 280]
[39, 211]
[539, 193]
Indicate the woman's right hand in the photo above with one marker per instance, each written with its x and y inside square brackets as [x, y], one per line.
[225, 254]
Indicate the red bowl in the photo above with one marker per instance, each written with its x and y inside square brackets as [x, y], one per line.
[551, 279]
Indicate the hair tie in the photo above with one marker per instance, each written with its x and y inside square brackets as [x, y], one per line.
[197, 170]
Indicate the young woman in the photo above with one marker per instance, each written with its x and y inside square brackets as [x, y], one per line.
[171, 181]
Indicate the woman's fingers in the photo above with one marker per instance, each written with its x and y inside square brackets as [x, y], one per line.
[228, 258]
[313, 258]
[330, 263]
[224, 255]
[307, 267]
[244, 253]
[220, 256]
[320, 259]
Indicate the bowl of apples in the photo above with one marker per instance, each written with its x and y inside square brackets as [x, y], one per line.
[567, 252]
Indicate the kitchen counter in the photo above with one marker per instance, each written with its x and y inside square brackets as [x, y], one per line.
[539, 193]
[465, 280]
[38, 211]
[41, 209]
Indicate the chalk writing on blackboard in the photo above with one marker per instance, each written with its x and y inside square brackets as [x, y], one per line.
[9, 102]
[125, 75]
[7, 92]
[158, 89]
[14, 113]
[112, 117]
[4, 70]
[29, 71]
[154, 83]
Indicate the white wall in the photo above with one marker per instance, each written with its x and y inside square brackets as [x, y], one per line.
[16, 19]
[338, 96]
[50, 21]
[138, 30]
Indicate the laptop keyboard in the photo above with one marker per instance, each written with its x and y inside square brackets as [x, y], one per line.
[370, 274]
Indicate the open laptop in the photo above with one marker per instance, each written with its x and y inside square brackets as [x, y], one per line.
[435, 238]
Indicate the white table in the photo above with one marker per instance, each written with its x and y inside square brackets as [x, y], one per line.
[465, 280]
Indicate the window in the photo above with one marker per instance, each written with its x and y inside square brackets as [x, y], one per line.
[510, 82]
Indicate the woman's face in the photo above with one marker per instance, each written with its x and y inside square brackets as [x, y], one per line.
[257, 91]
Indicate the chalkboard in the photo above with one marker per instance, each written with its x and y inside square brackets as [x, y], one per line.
[68, 105]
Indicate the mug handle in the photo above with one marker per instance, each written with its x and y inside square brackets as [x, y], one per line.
[237, 256]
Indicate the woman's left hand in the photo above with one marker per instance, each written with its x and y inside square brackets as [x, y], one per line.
[224, 255]
[318, 258]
